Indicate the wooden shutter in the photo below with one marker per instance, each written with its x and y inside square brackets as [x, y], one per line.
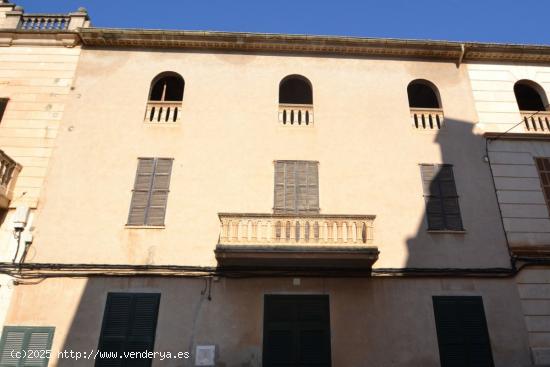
[29, 339]
[159, 192]
[313, 187]
[296, 331]
[462, 332]
[543, 167]
[279, 195]
[442, 208]
[150, 194]
[129, 325]
[296, 187]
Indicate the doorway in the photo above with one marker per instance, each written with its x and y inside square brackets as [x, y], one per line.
[296, 331]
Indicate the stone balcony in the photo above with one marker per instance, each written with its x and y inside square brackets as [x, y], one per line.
[162, 112]
[427, 118]
[536, 121]
[9, 170]
[317, 241]
[296, 114]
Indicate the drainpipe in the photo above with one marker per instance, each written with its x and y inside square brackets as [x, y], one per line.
[462, 52]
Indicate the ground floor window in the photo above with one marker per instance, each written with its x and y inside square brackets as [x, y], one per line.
[129, 325]
[462, 332]
[25, 346]
[296, 331]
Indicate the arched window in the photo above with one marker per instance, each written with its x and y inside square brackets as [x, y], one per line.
[423, 94]
[530, 96]
[295, 89]
[165, 98]
[425, 105]
[295, 101]
[533, 105]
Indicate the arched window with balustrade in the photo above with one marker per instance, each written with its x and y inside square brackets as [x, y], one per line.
[533, 106]
[165, 98]
[295, 101]
[425, 105]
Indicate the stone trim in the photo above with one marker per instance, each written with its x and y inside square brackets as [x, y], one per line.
[305, 44]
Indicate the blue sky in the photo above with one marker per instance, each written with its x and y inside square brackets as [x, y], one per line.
[508, 21]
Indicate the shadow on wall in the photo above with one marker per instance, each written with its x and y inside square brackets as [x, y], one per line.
[450, 185]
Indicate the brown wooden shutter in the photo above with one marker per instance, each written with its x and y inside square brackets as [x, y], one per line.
[442, 208]
[150, 194]
[301, 186]
[159, 192]
[290, 187]
[543, 167]
[279, 195]
[313, 187]
[296, 187]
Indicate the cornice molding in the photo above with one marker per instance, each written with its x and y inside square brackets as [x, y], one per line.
[315, 45]
[9, 37]
[455, 52]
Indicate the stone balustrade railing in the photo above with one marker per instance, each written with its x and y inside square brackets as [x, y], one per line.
[536, 121]
[427, 118]
[44, 22]
[296, 114]
[13, 17]
[273, 229]
[163, 112]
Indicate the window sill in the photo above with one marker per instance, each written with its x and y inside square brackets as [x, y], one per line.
[446, 231]
[165, 124]
[143, 227]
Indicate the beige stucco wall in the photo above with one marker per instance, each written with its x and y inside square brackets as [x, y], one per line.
[225, 145]
[37, 80]
[374, 322]
[493, 92]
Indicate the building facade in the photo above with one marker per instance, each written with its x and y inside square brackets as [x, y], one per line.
[275, 200]
[512, 110]
[37, 63]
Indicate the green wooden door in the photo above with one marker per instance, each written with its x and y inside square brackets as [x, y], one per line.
[296, 331]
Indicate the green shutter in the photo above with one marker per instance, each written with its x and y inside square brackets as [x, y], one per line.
[28, 339]
[150, 194]
[296, 187]
[129, 325]
[442, 208]
[462, 333]
[296, 331]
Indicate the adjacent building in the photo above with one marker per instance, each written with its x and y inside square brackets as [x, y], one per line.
[512, 108]
[240, 199]
[38, 58]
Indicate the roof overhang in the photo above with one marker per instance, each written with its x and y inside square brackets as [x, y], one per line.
[296, 257]
[310, 44]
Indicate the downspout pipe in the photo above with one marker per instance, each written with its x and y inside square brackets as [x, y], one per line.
[462, 53]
